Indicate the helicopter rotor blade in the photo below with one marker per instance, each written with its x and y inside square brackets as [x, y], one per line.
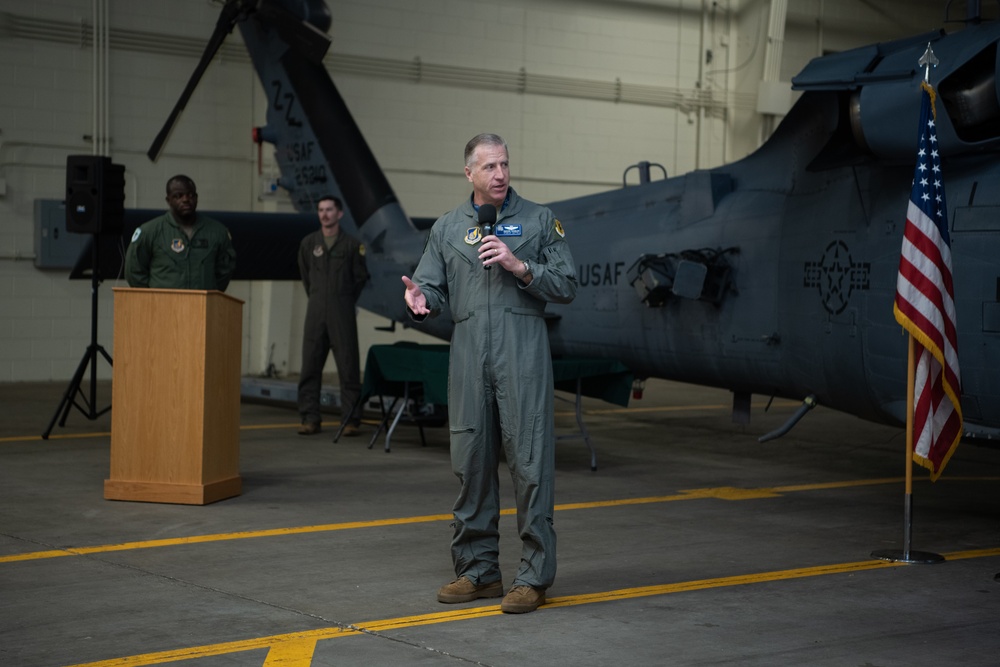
[232, 11]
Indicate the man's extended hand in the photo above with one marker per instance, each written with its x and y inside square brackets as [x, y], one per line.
[415, 299]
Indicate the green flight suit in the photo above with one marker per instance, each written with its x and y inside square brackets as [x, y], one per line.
[162, 256]
[500, 390]
[333, 278]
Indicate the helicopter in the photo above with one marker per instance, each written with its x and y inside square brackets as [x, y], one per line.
[773, 275]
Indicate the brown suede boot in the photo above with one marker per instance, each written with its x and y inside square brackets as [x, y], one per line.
[522, 599]
[463, 590]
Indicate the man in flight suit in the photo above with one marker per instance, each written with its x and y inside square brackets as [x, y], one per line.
[500, 390]
[332, 266]
[181, 249]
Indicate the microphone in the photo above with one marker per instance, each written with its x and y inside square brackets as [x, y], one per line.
[487, 218]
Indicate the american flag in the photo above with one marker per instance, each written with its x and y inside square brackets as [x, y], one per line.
[925, 304]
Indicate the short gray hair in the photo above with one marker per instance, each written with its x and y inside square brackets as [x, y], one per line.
[484, 139]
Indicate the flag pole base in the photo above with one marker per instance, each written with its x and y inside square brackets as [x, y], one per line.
[900, 556]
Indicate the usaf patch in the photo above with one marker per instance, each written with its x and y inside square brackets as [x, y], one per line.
[136, 234]
[508, 229]
[177, 245]
[559, 229]
[318, 251]
[473, 235]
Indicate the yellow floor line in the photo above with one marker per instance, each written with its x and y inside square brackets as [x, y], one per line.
[221, 537]
[296, 649]
[333, 425]
[60, 436]
[330, 427]
[718, 493]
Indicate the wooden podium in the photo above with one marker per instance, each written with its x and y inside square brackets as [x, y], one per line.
[176, 396]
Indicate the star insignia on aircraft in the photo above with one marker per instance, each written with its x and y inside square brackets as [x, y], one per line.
[837, 275]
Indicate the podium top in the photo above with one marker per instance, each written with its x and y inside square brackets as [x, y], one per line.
[159, 290]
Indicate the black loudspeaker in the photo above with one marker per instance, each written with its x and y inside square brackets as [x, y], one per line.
[95, 195]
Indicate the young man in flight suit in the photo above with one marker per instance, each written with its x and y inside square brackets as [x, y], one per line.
[500, 390]
[332, 266]
[181, 249]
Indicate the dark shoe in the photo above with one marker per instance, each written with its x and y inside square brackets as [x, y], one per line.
[350, 430]
[309, 428]
[463, 590]
[522, 599]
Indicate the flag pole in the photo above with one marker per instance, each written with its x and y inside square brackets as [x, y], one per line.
[927, 60]
[911, 365]
[907, 555]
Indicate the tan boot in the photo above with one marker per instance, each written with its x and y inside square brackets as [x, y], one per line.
[463, 590]
[310, 428]
[522, 599]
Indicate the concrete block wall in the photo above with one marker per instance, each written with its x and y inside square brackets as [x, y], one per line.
[561, 146]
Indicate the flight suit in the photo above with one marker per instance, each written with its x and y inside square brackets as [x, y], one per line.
[161, 255]
[500, 391]
[333, 278]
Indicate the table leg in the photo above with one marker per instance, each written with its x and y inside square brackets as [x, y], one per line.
[399, 413]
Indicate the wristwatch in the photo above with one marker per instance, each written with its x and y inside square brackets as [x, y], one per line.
[527, 270]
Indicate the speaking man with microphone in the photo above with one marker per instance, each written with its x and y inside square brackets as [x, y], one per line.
[500, 390]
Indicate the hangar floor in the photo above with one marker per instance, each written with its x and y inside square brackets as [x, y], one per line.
[692, 544]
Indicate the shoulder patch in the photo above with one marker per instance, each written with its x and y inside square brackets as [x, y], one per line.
[559, 229]
[361, 249]
[136, 234]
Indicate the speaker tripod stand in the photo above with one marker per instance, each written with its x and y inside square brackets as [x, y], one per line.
[73, 391]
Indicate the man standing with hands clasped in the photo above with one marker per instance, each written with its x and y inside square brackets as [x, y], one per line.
[332, 266]
[500, 391]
